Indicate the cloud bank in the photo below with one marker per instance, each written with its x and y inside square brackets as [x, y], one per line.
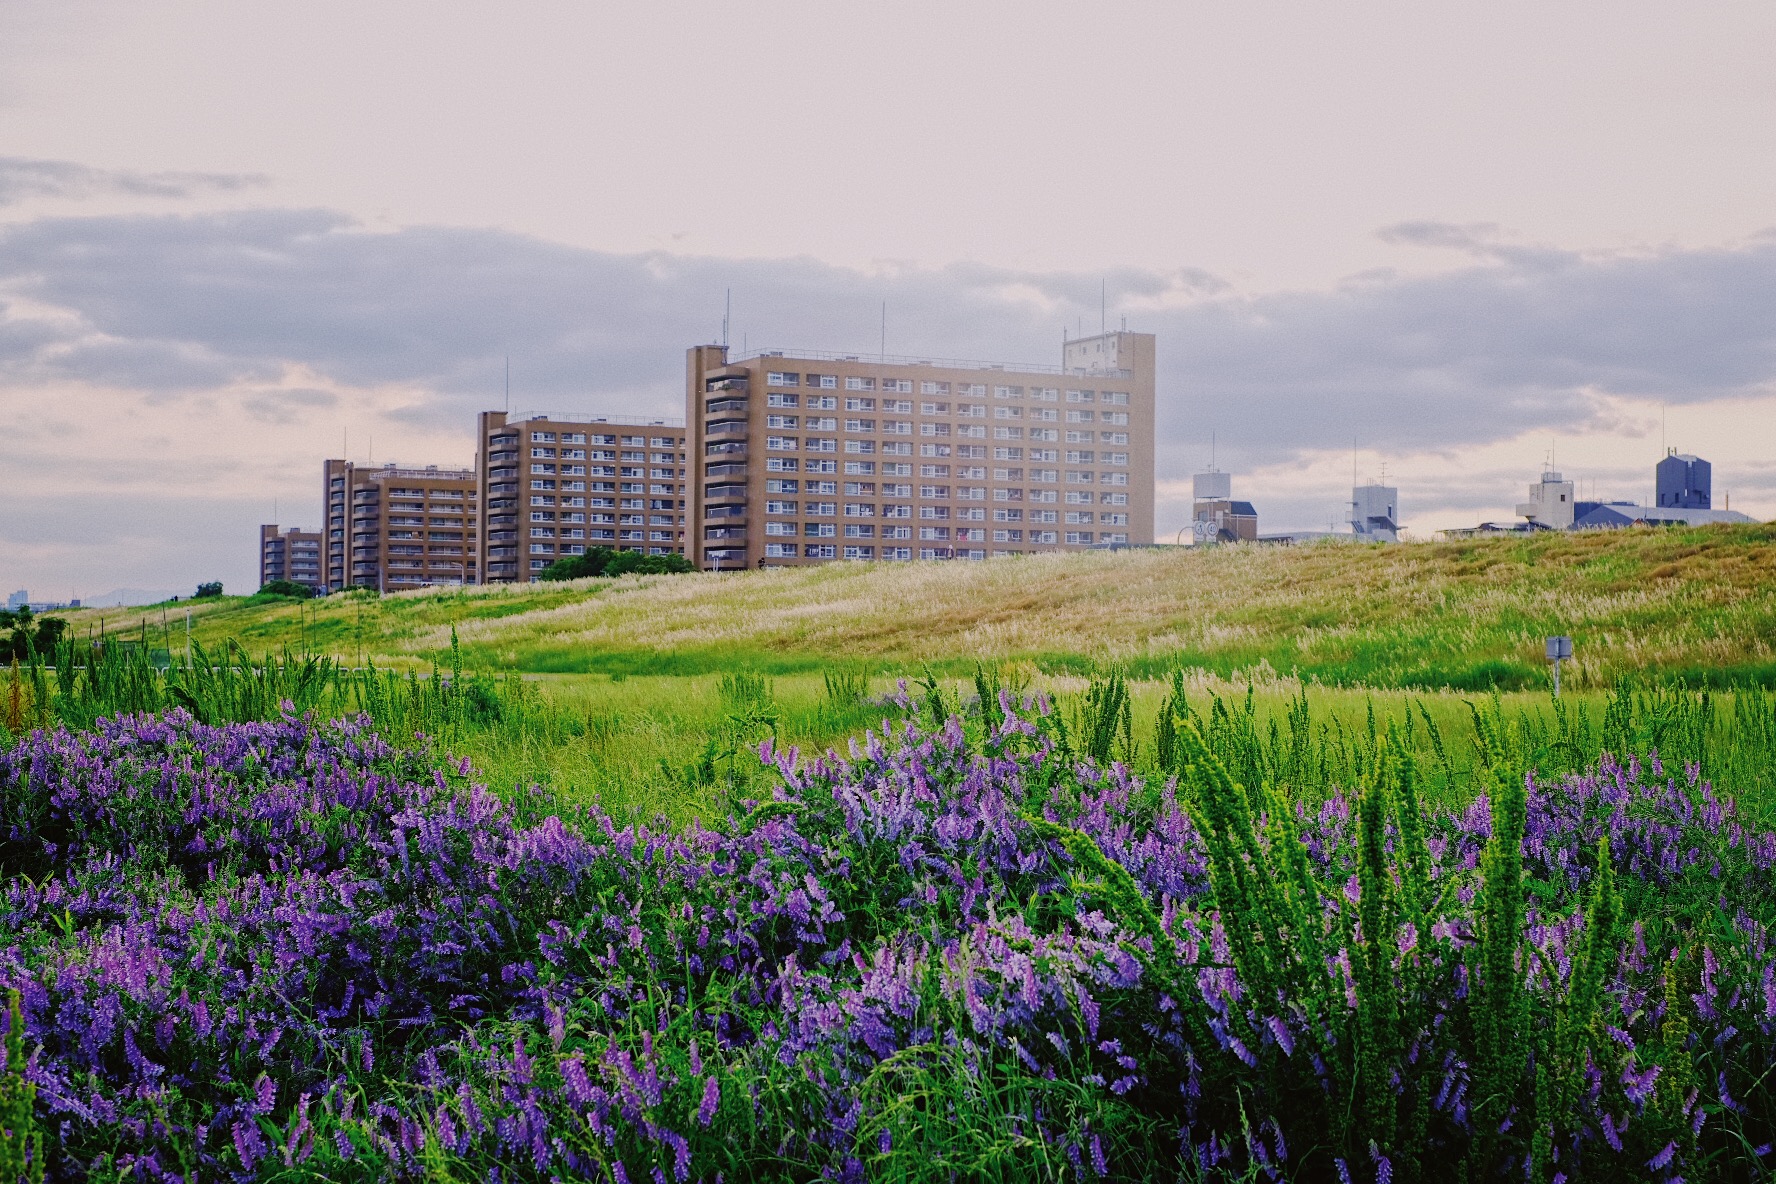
[303, 319]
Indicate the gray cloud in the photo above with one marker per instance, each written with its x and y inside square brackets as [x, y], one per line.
[21, 178]
[1521, 339]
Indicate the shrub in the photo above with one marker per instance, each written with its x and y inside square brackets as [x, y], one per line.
[288, 588]
[204, 591]
[604, 561]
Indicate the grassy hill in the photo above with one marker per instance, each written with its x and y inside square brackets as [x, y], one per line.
[1697, 604]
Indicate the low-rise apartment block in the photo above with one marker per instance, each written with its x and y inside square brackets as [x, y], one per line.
[806, 458]
[293, 555]
[553, 486]
[390, 528]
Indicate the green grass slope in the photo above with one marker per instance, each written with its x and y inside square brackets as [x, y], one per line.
[1693, 604]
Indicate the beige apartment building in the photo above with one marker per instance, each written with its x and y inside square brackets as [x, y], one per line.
[390, 528]
[293, 555]
[553, 486]
[807, 458]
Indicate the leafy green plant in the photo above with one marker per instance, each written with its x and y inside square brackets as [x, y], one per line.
[21, 1143]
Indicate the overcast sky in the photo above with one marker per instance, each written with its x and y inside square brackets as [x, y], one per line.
[1458, 238]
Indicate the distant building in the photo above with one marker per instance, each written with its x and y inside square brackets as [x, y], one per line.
[1486, 529]
[1684, 498]
[1215, 516]
[293, 555]
[1683, 482]
[551, 486]
[391, 528]
[18, 600]
[1550, 502]
[806, 457]
[1375, 513]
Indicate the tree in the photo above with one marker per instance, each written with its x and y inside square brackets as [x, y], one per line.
[214, 588]
[24, 640]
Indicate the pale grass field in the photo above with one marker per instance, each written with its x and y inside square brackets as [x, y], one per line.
[1424, 614]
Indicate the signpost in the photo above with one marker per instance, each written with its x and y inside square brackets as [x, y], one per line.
[1558, 648]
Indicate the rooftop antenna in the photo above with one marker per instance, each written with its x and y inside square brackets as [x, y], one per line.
[1211, 452]
[884, 330]
[1103, 306]
[1662, 446]
[727, 312]
[508, 384]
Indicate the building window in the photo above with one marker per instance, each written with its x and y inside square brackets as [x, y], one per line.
[820, 551]
[779, 400]
[780, 550]
[852, 552]
[783, 378]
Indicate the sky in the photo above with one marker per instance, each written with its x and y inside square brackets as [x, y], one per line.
[1441, 242]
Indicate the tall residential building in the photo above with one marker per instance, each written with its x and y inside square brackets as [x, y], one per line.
[809, 457]
[555, 486]
[390, 528]
[293, 555]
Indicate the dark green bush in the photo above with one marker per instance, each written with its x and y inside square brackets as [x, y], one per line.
[603, 561]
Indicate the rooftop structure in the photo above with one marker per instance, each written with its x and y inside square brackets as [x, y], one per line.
[807, 457]
[1550, 502]
[1215, 516]
[1683, 482]
[1375, 513]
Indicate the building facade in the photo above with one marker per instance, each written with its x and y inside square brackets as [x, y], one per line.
[391, 528]
[1683, 482]
[803, 458]
[1375, 513]
[554, 486]
[293, 555]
